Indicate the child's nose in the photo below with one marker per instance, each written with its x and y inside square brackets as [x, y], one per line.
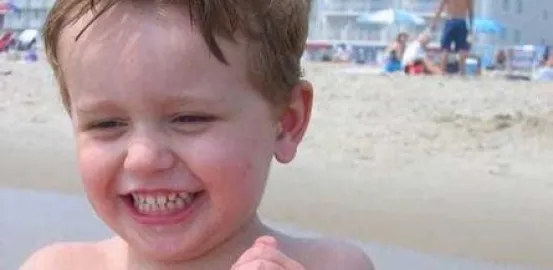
[145, 157]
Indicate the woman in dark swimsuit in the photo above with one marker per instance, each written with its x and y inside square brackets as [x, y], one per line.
[395, 53]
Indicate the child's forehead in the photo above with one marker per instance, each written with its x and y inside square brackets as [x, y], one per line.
[124, 22]
[126, 31]
[124, 51]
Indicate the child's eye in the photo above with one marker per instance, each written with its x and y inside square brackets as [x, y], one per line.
[192, 119]
[108, 124]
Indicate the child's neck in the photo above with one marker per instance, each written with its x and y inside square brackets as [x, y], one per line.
[222, 257]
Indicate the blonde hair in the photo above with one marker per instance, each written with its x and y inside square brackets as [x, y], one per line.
[276, 30]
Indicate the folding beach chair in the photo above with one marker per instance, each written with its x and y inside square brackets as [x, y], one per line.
[522, 62]
[6, 39]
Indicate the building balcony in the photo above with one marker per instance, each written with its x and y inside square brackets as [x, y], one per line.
[26, 19]
[34, 4]
[353, 8]
[422, 8]
[356, 8]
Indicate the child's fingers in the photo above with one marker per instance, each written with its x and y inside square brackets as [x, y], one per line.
[261, 252]
[260, 265]
[266, 240]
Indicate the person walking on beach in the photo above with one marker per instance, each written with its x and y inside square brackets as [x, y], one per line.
[456, 30]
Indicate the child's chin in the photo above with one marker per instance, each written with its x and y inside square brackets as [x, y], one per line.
[168, 256]
[172, 250]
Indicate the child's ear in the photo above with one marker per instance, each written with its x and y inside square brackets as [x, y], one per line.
[294, 121]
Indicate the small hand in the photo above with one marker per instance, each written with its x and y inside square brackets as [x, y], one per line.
[432, 27]
[470, 37]
[264, 255]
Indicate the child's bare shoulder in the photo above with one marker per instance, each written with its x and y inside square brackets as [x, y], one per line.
[62, 256]
[330, 254]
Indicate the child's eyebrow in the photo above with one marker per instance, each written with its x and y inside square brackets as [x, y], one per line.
[84, 108]
[92, 107]
[181, 101]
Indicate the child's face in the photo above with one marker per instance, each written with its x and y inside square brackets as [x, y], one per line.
[158, 118]
[403, 38]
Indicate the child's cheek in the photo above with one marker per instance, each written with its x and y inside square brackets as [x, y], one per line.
[98, 168]
[233, 170]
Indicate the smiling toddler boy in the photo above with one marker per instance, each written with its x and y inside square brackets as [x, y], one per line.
[178, 109]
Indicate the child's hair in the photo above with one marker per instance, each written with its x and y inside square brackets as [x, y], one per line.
[275, 32]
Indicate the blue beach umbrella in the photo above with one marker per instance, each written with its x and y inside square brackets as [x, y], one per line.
[390, 17]
[487, 26]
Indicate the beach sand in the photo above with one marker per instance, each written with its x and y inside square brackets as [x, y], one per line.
[450, 167]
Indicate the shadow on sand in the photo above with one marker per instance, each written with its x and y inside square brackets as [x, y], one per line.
[31, 219]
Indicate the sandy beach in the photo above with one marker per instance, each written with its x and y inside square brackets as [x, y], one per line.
[443, 166]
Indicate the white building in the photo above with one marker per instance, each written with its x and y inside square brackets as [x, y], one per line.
[335, 19]
[32, 15]
[526, 21]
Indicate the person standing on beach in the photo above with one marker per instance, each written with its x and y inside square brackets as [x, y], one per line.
[456, 30]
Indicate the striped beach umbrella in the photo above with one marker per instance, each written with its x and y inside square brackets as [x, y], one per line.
[487, 26]
[7, 7]
[391, 17]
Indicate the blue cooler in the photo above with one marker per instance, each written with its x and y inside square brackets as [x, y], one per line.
[471, 67]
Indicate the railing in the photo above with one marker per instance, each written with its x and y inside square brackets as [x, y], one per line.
[357, 7]
[33, 4]
[423, 7]
[354, 6]
[28, 18]
[345, 33]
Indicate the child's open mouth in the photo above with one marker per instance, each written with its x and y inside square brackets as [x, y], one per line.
[159, 204]
[161, 207]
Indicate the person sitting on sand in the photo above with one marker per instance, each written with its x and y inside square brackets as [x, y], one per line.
[500, 60]
[395, 53]
[546, 53]
[545, 73]
[178, 109]
[415, 59]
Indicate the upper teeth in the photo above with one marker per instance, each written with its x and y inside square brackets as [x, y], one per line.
[161, 198]
[160, 203]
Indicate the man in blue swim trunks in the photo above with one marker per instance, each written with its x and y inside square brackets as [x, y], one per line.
[456, 32]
